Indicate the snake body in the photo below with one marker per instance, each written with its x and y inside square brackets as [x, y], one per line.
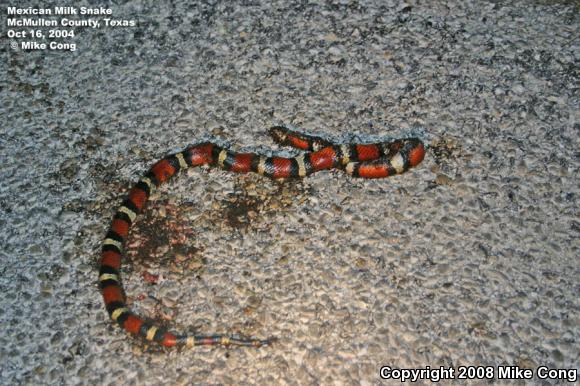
[377, 160]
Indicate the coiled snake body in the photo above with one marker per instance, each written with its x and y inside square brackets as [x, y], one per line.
[376, 160]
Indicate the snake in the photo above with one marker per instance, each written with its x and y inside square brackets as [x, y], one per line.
[364, 160]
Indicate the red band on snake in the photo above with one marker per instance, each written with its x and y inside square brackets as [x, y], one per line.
[377, 160]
